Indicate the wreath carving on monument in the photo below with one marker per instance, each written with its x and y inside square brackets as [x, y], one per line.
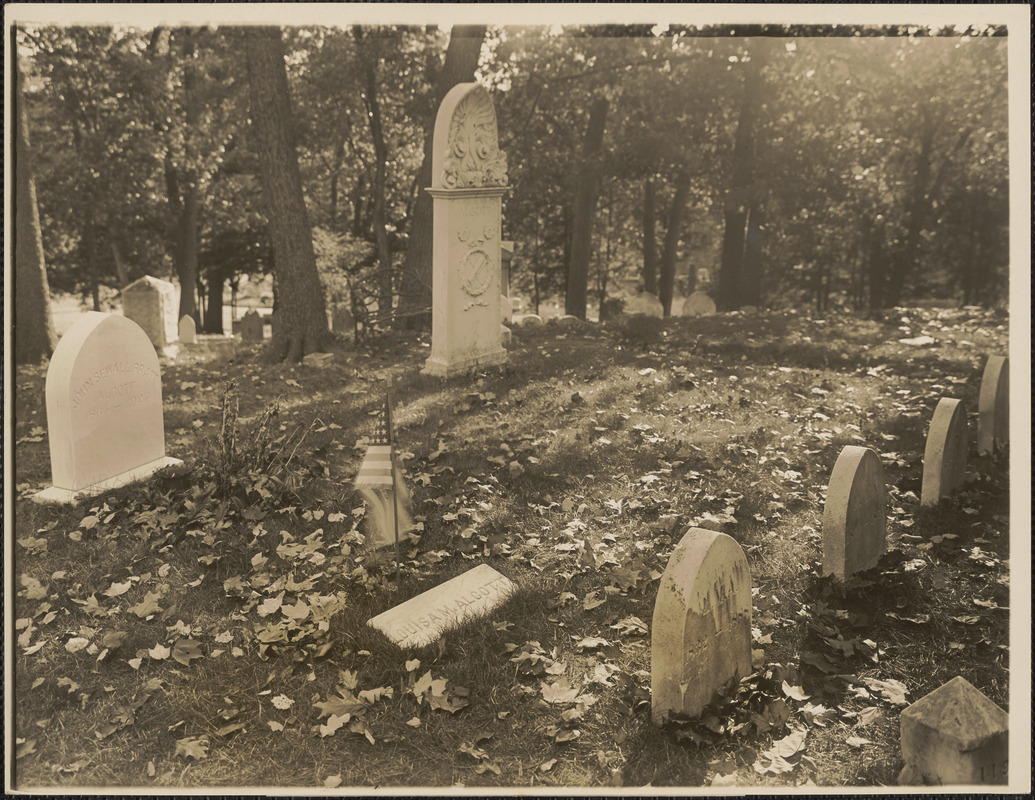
[474, 159]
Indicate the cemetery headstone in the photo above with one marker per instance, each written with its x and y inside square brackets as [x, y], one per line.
[342, 320]
[945, 456]
[423, 619]
[994, 405]
[677, 305]
[151, 303]
[954, 736]
[506, 309]
[506, 335]
[854, 516]
[506, 257]
[647, 304]
[701, 629]
[251, 327]
[698, 304]
[104, 408]
[469, 177]
[529, 321]
[188, 333]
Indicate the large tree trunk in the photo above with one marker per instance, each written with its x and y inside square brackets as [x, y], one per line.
[188, 228]
[214, 312]
[585, 206]
[465, 46]
[672, 237]
[751, 287]
[33, 327]
[731, 277]
[650, 246]
[302, 313]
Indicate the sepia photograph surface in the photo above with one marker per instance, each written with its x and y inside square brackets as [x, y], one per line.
[429, 399]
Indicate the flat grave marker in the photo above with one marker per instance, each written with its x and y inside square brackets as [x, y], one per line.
[701, 629]
[423, 619]
[104, 408]
[854, 516]
[994, 405]
[954, 736]
[945, 455]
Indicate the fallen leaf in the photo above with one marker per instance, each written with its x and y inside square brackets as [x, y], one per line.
[332, 782]
[195, 747]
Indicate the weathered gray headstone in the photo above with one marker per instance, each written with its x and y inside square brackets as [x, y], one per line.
[469, 177]
[945, 456]
[342, 320]
[994, 405]
[701, 629]
[529, 321]
[506, 309]
[506, 257]
[954, 736]
[251, 327]
[104, 408]
[506, 335]
[151, 304]
[647, 304]
[698, 304]
[188, 330]
[854, 517]
[423, 619]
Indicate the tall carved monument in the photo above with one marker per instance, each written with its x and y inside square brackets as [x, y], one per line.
[469, 177]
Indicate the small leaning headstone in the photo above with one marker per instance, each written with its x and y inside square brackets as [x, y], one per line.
[151, 303]
[701, 628]
[251, 327]
[698, 304]
[945, 455]
[854, 516]
[647, 304]
[104, 408]
[954, 736]
[423, 619]
[188, 330]
[994, 405]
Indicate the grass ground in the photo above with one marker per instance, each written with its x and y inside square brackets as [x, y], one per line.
[208, 628]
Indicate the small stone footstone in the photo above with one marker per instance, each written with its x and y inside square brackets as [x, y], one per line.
[954, 736]
[188, 330]
[698, 304]
[945, 456]
[854, 516]
[423, 619]
[647, 304]
[251, 327]
[701, 629]
[994, 405]
[104, 408]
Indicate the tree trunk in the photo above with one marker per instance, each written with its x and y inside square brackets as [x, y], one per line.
[188, 227]
[214, 311]
[370, 53]
[731, 277]
[650, 246]
[672, 237]
[751, 287]
[302, 312]
[585, 205]
[465, 46]
[34, 337]
[876, 273]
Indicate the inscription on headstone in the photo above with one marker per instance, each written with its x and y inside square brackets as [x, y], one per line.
[104, 408]
[701, 629]
[945, 456]
[854, 517]
[423, 619]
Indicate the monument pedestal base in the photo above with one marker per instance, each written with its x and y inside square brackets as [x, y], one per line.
[439, 367]
[55, 494]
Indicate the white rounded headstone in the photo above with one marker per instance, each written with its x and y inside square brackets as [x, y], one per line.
[945, 456]
[994, 405]
[854, 516]
[188, 329]
[698, 304]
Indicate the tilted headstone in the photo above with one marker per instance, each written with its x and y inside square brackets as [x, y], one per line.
[529, 321]
[647, 304]
[104, 408]
[151, 304]
[994, 405]
[954, 736]
[945, 456]
[854, 516]
[698, 304]
[251, 327]
[469, 177]
[188, 330]
[423, 619]
[701, 629]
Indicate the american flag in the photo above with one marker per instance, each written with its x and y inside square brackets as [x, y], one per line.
[379, 480]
